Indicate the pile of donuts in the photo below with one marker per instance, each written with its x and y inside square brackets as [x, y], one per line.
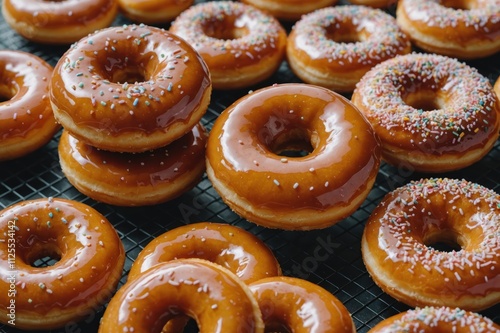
[129, 101]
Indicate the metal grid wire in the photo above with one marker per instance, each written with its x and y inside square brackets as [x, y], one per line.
[342, 271]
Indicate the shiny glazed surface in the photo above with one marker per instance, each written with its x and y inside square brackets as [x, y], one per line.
[231, 247]
[129, 80]
[400, 236]
[436, 320]
[431, 107]
[300, 306]
[133, 179]
[247, 139]
[26, 118]
[90, 253]
[213, 296]
[153, 11]
[289, 10]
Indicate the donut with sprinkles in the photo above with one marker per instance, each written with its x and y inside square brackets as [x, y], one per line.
[335, 46]
[436, 319]
[461, 29]
[289, 10]
[436, 242]
[130, 88]
[432, 113]
[241, 45]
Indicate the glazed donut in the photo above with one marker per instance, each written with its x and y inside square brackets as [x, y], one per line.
[126, 179]
[130, 89]
[251, 165]
[153, 11]
[496, 87]
[431, 113]
[374, 3]
[58, 22]
[300, 306]
[461, 29]
[240, 44]
[231, 247]
[320, 51]
[27, 121]
[216, 298]
[436, 319]
[289, 10]
[89, 254]
[399, 244]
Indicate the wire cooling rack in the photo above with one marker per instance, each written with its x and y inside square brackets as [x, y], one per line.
[339, 268]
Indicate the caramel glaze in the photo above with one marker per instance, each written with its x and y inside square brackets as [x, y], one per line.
[207, 292]
[233, 248]
[87, 273]
[300, 306]
[243, 155]
[240, 44]
[436, 320]
[127, 179]
[153, 11]
[457, 127]
[50, 21]
[26, 118]
[168, 93]
[465, 33]
[289, 10]
[398, 240]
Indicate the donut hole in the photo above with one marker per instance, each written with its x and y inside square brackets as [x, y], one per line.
[457, 4]
[127, 69]
[293, 143]
[444, 241]
[226, 29]
[424, 100]
[6, 93]
[127, 75]
[43, 255]
[343, 34]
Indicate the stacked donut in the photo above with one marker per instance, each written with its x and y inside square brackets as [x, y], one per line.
[130, 100]
[223, 277]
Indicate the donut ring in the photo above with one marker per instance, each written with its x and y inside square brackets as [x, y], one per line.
[27, 121]
[231, 247]
[300, 306]
[318, 54]
[470, 32]
[217, 299]
[87, 273]
[93, 98]
[240, 44]
[436, 319]
[246, 151]
[126, 179]
[430, 112]
[374, 3]
[153, 11]
[398, 240]
[496, 88]
[289, 10]
[58, 22]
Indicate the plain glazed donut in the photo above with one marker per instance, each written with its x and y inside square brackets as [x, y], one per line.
[27, 122]
[58, 22]
[290, 304]
[398, 244]
[289, 10]
[126, 179]
[436, 319]
[216, 298]
[466, 29]
[431, 113]
[240, 44]
[247, 165]
[130, 89]
[153, 11]
[231, 247]
[89, 266]
[320, 51]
